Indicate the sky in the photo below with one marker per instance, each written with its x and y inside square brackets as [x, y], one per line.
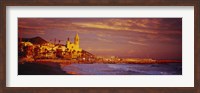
[157, 38]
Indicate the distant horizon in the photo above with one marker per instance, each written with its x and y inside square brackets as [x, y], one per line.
[156, 38]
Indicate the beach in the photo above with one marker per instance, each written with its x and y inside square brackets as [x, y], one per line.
[54, 68]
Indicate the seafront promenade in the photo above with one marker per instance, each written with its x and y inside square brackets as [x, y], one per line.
[104, 61]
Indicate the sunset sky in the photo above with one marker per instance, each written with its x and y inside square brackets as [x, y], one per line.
[158, 38]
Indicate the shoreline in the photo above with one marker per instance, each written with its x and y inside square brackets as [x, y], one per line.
[72, 61]
[53, 68]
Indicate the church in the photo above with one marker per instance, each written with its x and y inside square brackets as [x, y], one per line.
[74, 47]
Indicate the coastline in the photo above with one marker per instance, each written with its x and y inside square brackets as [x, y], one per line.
[57, 68]
[65, 61]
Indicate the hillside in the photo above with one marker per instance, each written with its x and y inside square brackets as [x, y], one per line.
[35, 40]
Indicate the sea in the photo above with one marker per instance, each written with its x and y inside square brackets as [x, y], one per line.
[124, 69]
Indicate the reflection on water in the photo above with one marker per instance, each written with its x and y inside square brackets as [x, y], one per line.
[124, 69]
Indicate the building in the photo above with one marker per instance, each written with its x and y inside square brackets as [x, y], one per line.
[74, 47]
[51, 51]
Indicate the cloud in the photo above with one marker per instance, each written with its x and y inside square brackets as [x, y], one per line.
[137, 43]
[139, 25]
[35, 32]
[150, 28]
[100, 25]
[104, 40]
[30, 30]
[104, 26]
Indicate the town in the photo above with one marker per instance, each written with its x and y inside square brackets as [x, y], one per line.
[68, 53]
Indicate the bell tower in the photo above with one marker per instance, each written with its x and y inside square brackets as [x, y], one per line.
[76, 40]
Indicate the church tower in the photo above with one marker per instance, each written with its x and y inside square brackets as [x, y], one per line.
[73, 48]
[76, 40]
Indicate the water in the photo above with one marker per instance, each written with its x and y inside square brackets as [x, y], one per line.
[124, 69]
